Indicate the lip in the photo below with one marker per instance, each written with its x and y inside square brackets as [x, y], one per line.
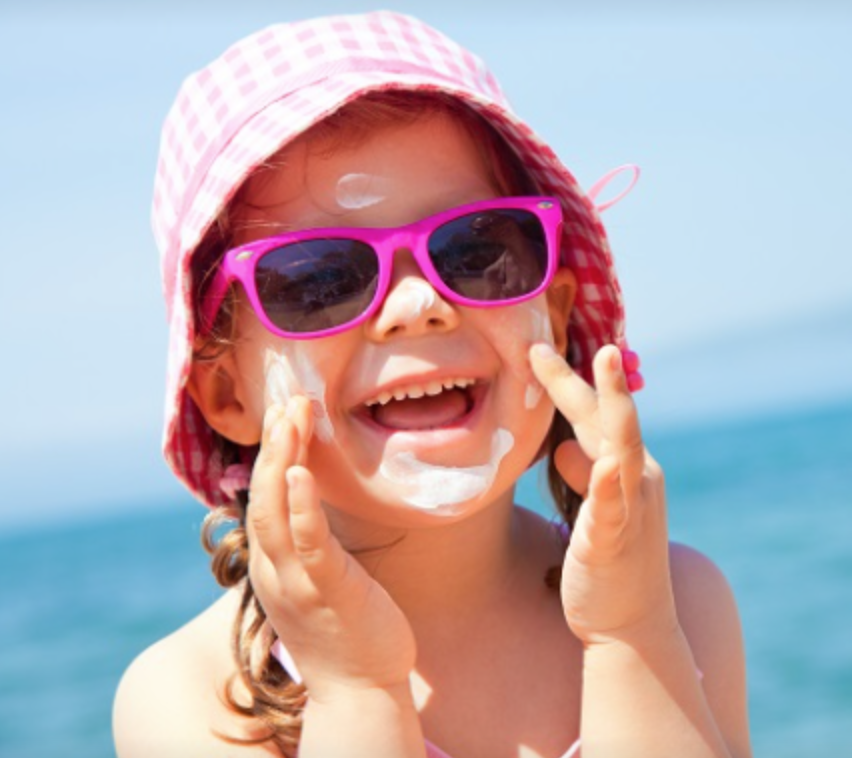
[415, 439]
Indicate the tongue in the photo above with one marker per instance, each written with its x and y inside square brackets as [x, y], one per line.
[424, 413]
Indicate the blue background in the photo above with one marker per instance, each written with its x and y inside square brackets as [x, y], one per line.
[734, 253]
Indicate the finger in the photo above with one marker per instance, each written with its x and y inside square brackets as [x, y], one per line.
[318, 550]
[300, 412]
[571, 395]
[267, 517]
[573, 465]
[604, 506]
[618, 416]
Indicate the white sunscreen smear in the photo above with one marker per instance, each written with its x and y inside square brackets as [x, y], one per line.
[419, 297]
[356, 191]
[440, 488]
[290, 373]
[542, 332]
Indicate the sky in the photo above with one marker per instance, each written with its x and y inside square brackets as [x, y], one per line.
[734, 250]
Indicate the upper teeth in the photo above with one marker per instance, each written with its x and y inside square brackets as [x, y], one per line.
[434, 387]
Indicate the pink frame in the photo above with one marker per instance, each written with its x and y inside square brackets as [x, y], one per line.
[239, 263]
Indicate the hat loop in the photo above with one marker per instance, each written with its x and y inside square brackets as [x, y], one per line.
[601, 184]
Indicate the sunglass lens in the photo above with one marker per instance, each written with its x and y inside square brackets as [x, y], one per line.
[317, 284]
[492, 255]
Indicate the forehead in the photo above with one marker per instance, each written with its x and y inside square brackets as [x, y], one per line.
[392, 175]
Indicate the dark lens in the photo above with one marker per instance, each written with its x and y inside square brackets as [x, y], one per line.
[317, 284]
[492, 255]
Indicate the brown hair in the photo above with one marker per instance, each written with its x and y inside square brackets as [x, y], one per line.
[274, 699]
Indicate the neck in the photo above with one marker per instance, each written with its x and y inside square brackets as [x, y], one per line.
[450, 570]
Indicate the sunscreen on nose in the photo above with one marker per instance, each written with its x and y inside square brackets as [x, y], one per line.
[418, 297]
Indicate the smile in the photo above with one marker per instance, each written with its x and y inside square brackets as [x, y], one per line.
[425, 405]
[416, 391]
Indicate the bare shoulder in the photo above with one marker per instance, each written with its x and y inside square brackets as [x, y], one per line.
[709, 617]
[705, 600]
[169, 699]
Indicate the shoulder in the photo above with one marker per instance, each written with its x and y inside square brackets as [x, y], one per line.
[703, 595]
[708, 615]
[706, 606]
[169, 701]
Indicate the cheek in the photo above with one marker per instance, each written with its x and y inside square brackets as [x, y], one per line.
[512, 331]
[290, 370]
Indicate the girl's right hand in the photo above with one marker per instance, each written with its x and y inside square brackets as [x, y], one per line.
[341, 627]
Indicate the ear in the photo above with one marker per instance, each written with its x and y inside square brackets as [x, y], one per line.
[560, 300]
[216, 388]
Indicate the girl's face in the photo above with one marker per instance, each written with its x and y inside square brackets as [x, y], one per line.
[428, 410]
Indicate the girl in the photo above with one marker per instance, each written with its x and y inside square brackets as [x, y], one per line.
[374, 272]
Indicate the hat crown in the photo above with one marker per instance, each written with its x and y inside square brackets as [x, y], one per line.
[282, 61]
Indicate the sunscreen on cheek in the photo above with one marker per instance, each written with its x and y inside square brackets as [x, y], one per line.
[442, 488]
[291, 372]
[516, 328]
[542, 331]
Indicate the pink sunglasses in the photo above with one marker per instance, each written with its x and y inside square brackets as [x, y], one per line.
[318, 282]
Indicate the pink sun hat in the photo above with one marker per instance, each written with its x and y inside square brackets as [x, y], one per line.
[264, 92]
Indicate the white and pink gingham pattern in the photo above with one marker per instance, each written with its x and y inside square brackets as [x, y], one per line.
[265, 91]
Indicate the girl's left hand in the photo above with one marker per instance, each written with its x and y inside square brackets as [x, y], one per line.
[616, 583]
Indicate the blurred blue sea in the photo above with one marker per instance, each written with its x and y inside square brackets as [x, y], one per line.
[770, 499]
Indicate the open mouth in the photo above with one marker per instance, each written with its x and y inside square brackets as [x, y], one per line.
[435, 404]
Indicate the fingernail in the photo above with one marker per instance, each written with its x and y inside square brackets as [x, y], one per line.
[635, 381]
[631, 361]
[292, 478]
[544, 351]
[615, 360]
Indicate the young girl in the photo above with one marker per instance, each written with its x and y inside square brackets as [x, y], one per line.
[375, 272]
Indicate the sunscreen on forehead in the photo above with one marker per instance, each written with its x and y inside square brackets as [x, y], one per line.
[291, 372]
[355, 191]
[440, 489]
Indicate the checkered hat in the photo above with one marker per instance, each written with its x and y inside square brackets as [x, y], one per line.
[265, 91]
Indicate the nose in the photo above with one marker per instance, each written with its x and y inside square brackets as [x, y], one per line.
[411, 306]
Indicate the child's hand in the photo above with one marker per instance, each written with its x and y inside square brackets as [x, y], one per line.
[341, 627]
[615, 582]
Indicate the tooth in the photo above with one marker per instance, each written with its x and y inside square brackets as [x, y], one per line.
[448, 384]
[399, 394]
[415, 392]
[434, 388]
[384, 398]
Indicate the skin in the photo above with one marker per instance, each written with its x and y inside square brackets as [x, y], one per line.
[450, 633]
